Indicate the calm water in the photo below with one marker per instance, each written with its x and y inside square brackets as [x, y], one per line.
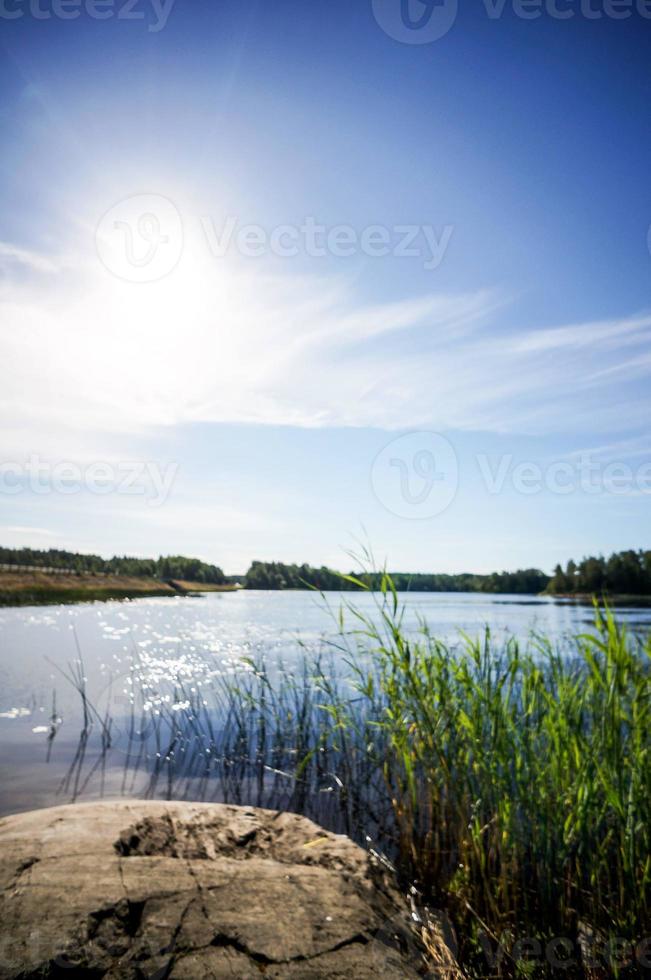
[155, 644]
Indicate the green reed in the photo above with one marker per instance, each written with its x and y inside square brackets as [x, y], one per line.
[520, 780]
[510, 784]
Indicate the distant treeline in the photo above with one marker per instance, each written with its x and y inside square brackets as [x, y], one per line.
[275, 575]
[624, 573]
[168, 567]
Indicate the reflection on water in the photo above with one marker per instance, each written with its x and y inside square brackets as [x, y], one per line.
[132, 697]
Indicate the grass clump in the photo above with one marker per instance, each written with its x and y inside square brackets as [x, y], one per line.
[520, 780]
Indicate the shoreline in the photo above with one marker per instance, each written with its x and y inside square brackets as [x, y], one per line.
[587, 598]
[43, 589]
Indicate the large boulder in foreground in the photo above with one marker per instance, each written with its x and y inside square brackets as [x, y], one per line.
[155, 890]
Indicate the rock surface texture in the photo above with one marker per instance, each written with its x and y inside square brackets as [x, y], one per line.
[180, 890]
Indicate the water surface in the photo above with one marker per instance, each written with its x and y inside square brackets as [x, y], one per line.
[163, 654]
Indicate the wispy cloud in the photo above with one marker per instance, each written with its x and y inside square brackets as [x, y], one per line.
[12, 256]
[18, 529]
[86, 356]
[630, 448]
[604, 333]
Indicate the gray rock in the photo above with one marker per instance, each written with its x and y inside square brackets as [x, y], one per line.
[179, 890]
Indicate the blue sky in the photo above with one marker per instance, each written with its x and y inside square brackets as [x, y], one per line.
[264, 389]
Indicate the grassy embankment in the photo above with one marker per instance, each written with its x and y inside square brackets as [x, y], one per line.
[181, 585]
[39, 588]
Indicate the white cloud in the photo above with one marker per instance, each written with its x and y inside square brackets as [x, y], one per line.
[605, 333]
[12, 256]
[88, 359]
[23, 536]
[17, 529]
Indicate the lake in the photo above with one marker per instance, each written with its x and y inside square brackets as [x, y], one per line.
[173, 648]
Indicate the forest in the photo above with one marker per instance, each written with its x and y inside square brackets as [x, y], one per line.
[168, 567]
[276, 575]
[623, 573]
